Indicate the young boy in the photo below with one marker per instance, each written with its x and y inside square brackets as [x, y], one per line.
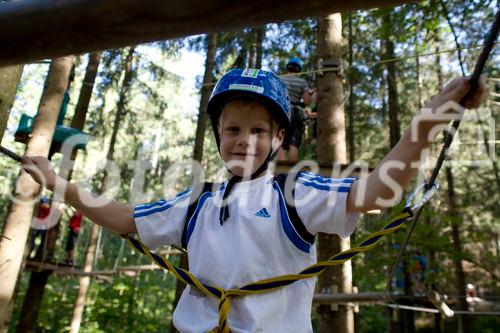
[241, 231]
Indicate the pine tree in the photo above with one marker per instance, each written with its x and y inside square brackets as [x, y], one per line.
[9, 80]
[332, 149]
[18, 222]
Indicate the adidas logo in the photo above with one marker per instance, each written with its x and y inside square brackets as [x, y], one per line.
[263, 213]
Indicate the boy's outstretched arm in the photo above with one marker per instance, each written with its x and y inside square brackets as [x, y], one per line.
[384, 186]
[104, 212]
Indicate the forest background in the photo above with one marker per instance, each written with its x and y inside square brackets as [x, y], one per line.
[423, 44]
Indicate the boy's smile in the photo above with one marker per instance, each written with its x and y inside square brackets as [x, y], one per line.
[246, 132]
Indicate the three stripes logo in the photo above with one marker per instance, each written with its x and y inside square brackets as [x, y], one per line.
[263, 213]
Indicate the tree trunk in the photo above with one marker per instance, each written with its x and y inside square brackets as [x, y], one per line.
[407, 318]
[261, 32]
[122, 101]
[332, 148]
[350, 110]
[131, 304]
[251, 50]
[417, 69]
[84, 282]
[206, 90]
[407, 322]
[432, 254]
[38, 280]
[462, 320]
[392, 89]
[18, 222]
[331, 122]
[241, 59]
[9, 80]
[82, 105]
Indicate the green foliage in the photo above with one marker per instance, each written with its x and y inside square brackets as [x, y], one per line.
[371, 319]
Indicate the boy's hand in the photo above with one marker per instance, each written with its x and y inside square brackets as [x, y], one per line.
[456, 89]
[40, 169]
[311, 115]
[445, 107]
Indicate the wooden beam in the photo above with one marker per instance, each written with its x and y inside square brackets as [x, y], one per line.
[363, 297]
[65, 270]
[60, 269]
[38, 29]
[439, 302]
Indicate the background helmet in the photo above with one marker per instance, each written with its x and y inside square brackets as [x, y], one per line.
[264, 86]
[295, 62]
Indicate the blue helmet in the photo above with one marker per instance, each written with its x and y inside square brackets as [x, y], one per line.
[294, 61]
[262, 85]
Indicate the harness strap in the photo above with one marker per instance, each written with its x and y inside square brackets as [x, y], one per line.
[200, 190]
[266, 285]
[295, 219]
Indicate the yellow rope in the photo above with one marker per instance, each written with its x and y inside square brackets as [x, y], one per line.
[267, 285]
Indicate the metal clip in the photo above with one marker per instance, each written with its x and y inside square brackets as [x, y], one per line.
[428, 194]
[333, 65]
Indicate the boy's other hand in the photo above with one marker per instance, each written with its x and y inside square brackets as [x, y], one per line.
[40, 169]
[445, 107]
[311, 115]
[457, 89]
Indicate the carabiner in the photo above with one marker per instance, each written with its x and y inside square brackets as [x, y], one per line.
[426, 196]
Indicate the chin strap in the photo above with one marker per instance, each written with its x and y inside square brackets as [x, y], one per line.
[224, 209]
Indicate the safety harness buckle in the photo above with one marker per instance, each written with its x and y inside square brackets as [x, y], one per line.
[426, 196]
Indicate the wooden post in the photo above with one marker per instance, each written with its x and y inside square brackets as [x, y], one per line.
[9, 80]
[332, 148]
[18, 222]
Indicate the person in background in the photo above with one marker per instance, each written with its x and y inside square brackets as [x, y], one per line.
[75, 223]
[300, 97]
[39, 225]
[419, 273]
[312, 113]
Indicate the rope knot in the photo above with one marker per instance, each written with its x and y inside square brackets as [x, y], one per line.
[224, 306]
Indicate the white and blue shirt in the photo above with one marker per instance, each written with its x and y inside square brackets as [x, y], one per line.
[257, 241]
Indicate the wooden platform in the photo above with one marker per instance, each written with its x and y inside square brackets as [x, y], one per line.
[106, 275]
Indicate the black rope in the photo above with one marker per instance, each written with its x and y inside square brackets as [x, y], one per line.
[10, 154]
[449, 136]
[474, 82]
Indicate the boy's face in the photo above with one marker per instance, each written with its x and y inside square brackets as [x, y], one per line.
[247, 134]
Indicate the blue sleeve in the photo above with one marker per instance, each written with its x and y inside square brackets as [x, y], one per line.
[321, 204]
[162, 222]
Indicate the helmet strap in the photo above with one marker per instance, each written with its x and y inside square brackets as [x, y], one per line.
[224, 210]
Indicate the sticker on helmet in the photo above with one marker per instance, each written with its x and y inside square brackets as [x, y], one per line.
[248, 87]
[250, 72]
